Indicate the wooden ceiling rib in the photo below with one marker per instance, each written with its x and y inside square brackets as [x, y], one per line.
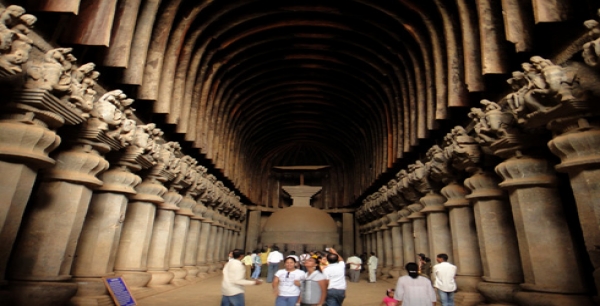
[355, 84]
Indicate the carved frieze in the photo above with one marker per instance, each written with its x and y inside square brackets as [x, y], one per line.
[14, 43]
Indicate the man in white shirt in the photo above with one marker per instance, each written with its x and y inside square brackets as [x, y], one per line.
[273, 263]
[233, 283]
[372, 264]
[355, 265]
[336, 279]
[444, 279]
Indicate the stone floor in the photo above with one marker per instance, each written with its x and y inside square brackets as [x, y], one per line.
[208, 292]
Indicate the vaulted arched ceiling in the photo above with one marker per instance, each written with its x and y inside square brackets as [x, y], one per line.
[253, 84]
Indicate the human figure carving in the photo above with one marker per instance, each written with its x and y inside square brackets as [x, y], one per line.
[50, 74]
[14, 43]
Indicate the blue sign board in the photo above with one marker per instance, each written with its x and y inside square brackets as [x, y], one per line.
[119, 291]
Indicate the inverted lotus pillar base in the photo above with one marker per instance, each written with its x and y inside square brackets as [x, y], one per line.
[90, 291]
[160, 278]
[179, 276]
[135, 279]
[497, 294]
[25, 293]
[191, 272]
[551, 299]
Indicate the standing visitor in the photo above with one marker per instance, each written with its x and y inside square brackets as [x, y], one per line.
[257, 267]
[389, 300]
[273, 261]
[293, 255]
[336, 276]
[303, 259]
[233, 283]
[314, 287]
[444, 279]
[284, 283]
[355, 266]
[414, 290]
[373, 261]
[247, 261]
[263, 258]
[424, 266]
[323, 263]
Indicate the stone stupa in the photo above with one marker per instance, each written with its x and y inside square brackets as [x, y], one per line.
[301, 225]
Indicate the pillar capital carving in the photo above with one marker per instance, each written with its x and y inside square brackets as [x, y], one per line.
[456, 195]
[393, 219]
[526, 171]
[403, 215]
[462, 149]
[484, 185]
[415, 210]
[382, 223]
[80, 165]
[433, 202]
[58, 74]
[406, 188]
[418, 177]
[577, 148]
[15, 44]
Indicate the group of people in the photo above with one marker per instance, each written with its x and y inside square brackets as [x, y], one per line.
[304, 282]
[319, 279]
[415, 289]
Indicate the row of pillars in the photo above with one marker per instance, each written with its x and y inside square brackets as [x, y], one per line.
[510, 249]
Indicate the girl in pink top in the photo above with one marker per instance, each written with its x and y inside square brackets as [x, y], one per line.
[389, 299]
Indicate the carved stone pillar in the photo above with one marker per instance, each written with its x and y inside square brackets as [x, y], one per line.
[219, 245]
[576, 142]
[181, 229]
[358, 238]
[387, 244]
[44, 254]
[396, 240]
[26, 138]
[466, 247]
[162, 235]
[214, 239]
[193, 241]
[420, 231]
[27, 133]
[372, 239]
[240, 235]
[132, 254]
[190, 257]
[408, 242]
[438, 226]
[543, 234]
[348, 234]
[253, 229]
[97, 246]
[497, 240]
[204, 244]
[379, 245]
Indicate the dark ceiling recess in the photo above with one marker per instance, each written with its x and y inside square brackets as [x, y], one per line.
[253, 84]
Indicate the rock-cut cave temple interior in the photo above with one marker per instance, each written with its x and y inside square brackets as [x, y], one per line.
[147, 138]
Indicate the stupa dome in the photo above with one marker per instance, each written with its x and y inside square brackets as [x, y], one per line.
[300, 225]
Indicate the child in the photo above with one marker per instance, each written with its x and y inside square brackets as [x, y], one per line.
[389, 299]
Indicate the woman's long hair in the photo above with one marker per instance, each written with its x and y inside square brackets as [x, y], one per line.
[412, 269]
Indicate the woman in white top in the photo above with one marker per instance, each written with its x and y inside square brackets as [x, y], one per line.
[287, 292]
[314, 287]
[414, 290]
